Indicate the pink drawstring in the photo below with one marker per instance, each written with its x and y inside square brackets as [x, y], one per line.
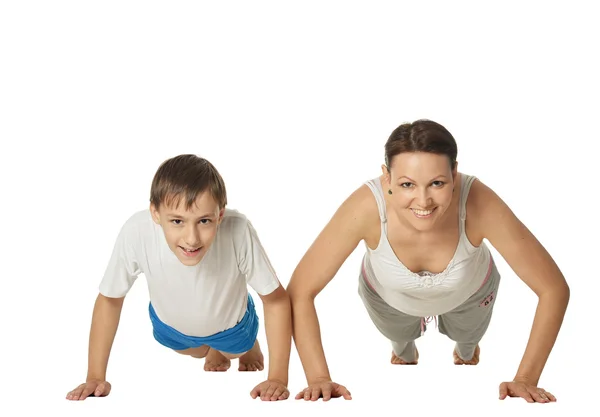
[427, 320]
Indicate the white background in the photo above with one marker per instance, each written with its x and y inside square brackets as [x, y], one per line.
[293, 103]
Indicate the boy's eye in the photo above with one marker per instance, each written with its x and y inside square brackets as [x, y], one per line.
[205, 221]
[176, 221]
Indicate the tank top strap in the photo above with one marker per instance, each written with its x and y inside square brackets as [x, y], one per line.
[375, 186]
[465, 187]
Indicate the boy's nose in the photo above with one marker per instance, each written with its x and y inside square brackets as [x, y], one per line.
[193, 238]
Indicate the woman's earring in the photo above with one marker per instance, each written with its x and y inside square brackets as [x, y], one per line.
[389, 191]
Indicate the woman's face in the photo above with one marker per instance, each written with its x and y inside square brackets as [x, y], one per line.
[422, 186]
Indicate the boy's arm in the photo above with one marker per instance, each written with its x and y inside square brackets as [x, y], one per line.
[120, 274]
[105, 320]
[278, 329]
[261, 276]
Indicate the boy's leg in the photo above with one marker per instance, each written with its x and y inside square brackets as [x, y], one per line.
[216, 362]
[251, 357]
[251, 360]
[168, 337]
[198, 352]
[400, 328]
[467, 324]
[241, 342]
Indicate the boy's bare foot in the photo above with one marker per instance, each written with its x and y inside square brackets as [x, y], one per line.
[397, 361]
[252, 360]
[474, 360]
[216, 362]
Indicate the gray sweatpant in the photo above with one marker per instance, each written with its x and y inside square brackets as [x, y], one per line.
[465, 325]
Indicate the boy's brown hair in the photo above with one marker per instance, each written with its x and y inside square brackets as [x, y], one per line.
[186, 176]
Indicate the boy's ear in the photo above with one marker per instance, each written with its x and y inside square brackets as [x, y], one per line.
[155, 214]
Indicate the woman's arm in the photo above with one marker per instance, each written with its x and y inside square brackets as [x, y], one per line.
[534, 265]
[316, 269]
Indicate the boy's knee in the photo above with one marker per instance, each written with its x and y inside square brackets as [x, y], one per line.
[198, 352]
[232, 355]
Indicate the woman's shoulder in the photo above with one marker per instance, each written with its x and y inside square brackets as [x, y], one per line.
[364, 199]
[480, 194]
[484, 206]
[360, 207]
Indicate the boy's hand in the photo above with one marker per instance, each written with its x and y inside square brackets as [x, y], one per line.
[96, 387]
[270, 390]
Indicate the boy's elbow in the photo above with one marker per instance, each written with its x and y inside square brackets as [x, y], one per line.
[278, 296]
[112, 301]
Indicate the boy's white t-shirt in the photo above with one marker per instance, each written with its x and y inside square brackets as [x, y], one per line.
[198, 300]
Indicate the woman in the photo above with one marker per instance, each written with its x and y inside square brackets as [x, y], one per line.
[424, 225]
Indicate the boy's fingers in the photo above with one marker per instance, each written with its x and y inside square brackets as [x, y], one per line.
[316, 393]
[326, 394]
[102, 389]
[86, 392]
[277, 394]
[270, 391]
[77, 392]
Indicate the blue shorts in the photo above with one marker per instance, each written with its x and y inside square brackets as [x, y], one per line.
[238, 339]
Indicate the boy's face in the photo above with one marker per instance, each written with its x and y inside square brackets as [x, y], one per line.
[189, 233]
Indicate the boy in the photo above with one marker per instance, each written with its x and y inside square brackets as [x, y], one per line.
[198, 258]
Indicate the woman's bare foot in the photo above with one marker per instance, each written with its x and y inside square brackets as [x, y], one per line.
[474, 360]
[397, 361]
[216, 362]
[252, 360]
